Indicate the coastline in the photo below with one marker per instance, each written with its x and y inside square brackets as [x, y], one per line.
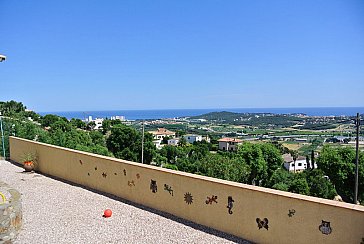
[177, 113]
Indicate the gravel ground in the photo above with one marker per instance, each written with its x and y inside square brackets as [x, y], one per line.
[59, 212]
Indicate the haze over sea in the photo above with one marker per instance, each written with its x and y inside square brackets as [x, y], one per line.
[174, 113]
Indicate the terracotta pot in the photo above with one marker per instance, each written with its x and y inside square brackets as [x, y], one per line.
[28, 166]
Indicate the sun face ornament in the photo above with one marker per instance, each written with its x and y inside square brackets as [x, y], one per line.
[188, 198]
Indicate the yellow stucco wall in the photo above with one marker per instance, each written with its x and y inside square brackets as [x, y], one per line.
[107, 174]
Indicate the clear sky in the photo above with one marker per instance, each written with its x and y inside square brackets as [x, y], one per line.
[110, 55]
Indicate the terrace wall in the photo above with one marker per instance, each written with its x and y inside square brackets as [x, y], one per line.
[257, 214]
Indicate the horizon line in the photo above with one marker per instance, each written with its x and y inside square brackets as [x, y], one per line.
[220, 109]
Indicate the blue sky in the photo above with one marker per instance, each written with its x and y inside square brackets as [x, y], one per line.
[111, 55]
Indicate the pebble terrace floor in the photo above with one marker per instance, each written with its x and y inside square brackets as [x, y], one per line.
[59, 212]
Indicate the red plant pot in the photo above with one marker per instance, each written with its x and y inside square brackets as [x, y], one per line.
[28, 166]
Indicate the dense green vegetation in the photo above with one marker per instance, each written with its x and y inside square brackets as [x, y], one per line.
[258, 164]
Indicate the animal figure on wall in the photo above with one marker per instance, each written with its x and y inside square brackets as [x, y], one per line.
[291, 212]
[262, 223]
[168, 188]
[210, 200]
[325, 227]
[153, 186]
[230, 204]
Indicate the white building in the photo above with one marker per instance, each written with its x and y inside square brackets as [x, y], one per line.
[98, 123]
[117, 117]
[157, 144]
[160, 133]
[173, 141]
[300, 166]
[192, 138]
[229, 144]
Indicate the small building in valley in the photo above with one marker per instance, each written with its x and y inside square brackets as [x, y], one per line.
[298, 166]
[192, 138]
[160, 133]
[229, 144]
[173, 141]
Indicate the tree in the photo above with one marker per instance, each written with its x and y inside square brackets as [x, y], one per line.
[253, 156]
[281, 180]
[61, 125]
[160, 160]
[97, 138]
[125, 142]
[127, 154]
[149, 149]
[182, 142]
[198, 150]
[180, 133]
[78, 123]
[339, 165]
[299, 185]
[217, 166]
[91, 125]
[171, 153]
[165, 140]
[272, 156]
[106, 126]
[11, 108]
[123, 137]
[319, 184]
[49, 119]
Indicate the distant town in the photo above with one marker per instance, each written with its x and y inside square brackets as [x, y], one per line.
[295, 131]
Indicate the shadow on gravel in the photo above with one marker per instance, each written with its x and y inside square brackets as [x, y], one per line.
[151, 210]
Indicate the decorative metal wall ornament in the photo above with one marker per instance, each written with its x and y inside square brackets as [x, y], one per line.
[138, 176]
[124, 172]
[81, 162]
[153, 186]
[131, 183]
[262, 223]
[169, 189]
[212, 199]
[325, 227]
[104, 174]
[230, 204]
[291, 212]
[188, 198]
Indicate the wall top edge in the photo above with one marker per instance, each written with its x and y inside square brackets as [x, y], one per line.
[317, 200]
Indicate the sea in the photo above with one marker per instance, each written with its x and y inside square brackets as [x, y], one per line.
[178, 113]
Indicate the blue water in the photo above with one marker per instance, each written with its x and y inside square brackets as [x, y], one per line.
[174, 113]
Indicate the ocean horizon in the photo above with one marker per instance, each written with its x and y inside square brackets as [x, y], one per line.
[177, 113]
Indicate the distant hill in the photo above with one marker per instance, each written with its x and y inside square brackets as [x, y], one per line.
[262, 120]
[224, 115]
